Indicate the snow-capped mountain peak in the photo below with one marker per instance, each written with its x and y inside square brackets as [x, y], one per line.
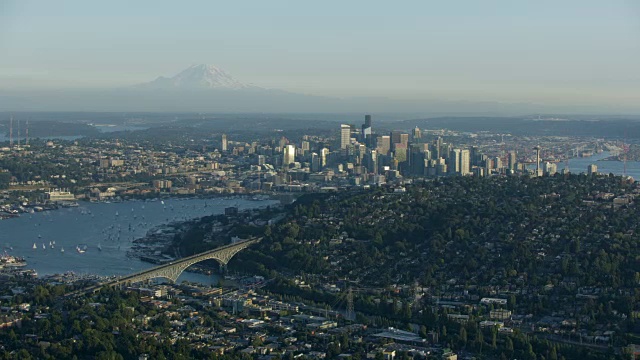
[200, 76]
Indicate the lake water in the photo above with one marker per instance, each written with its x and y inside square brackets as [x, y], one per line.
[579, 165]
[101, 128]
[113, 226]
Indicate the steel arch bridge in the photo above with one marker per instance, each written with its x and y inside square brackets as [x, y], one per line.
[172, 270]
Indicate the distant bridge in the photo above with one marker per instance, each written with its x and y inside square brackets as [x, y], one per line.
[174, 269]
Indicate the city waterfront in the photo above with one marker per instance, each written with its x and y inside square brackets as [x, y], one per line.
[579, 165]
[96, 236]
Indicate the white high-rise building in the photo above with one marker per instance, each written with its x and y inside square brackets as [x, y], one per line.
[592, 169]
[324, 152]
[497, 163]
[224, 142]
[465, 162]
[289, 155]
[345, 136]
[453, 164]
[315, 163]
[550, 168]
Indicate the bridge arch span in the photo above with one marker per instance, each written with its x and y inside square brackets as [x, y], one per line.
[174, 269]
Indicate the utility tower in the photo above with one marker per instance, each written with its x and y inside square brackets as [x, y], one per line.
[351, 314]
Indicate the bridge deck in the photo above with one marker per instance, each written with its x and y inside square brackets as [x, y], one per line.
[177, 266]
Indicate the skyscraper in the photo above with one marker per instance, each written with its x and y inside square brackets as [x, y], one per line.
[366, 131]
[315, 162]
[592, 169]
[383, 144]
[512, 160]
[550, 168]
[465, 162]
[404, 139]
[224, 142]
[305, 146]
[289, 155]
[395, 137]
[417, 134]
[454, 161]
[345, 136]
[324, 152]
[372, 162]
[497, 163]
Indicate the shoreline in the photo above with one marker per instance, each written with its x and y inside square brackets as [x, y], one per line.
[30, 209]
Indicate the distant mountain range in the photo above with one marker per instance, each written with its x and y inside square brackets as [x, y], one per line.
[198, 77]
[207, 88]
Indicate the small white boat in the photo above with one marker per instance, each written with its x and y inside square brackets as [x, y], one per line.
[34, 246]
[43, 247]
[62, 249]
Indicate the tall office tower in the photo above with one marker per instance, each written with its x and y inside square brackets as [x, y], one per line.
[305, 146]
[512, 160]
[261, 160]
[417, 134]
[367, 120]
[395, 138]
[454, 161]
[438, 148]
[416, 159]
[289, 155]
[478, 172]
[345, 136]
[367, 131]
[474, 156]
[372, 162]
[441, 167]
[497, 163]
[550, 168]
[592, 169]
[404, 139]
[428, 154]
[315, 162]
[465, 162]
[383, 144]
[360, 152]
[401, 152]
[488, 166]
[224, 142]
[324, 152]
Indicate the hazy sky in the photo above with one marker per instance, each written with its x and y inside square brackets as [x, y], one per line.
[558, 51]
